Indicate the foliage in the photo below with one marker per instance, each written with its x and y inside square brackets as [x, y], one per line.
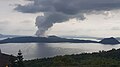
[20, 59]
[16, 61]
[109, 58]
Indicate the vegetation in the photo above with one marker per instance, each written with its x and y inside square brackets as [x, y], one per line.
[18, 61]
[109, 58]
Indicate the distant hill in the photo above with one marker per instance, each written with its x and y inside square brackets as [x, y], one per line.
[8, 36]
[55, 39]
[50, 39]
[110, 40]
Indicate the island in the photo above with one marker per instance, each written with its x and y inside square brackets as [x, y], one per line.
[110, 40]
[56, 39]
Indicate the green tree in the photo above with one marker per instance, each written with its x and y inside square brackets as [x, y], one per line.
[20, 59]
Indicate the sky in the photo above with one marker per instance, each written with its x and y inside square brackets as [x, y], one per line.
[100, 19]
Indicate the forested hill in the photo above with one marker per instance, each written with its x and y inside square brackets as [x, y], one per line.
[109, 58]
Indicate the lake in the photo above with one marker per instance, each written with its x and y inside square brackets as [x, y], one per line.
[41, 50]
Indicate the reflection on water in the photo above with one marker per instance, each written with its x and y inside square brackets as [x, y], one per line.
[33, 50]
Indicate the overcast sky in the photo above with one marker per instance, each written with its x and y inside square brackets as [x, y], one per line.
[98, 24]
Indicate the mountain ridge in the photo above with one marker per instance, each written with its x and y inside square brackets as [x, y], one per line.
[56, 39]
[50, 39]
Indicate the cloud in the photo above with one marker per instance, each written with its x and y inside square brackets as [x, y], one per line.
[68, 6]
[57, 11]
[4, 22]
[115, 28]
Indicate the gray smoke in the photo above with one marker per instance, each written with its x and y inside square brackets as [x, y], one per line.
[58, 11]
[45, 22]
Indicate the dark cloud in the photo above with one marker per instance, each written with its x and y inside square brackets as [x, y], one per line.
[57, 11]
[68, 6]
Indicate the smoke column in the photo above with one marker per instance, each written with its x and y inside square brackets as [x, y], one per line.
[48, 20]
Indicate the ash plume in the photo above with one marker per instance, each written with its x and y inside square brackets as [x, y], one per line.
[49, 19]
[58, 11]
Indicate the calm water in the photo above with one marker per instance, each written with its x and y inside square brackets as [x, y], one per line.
[40, 50]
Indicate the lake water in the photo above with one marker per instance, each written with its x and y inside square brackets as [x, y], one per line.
[40, 50]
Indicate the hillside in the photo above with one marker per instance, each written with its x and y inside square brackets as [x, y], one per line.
[109, 58]
[5, 59]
